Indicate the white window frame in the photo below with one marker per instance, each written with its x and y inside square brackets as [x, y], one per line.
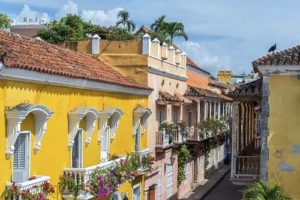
[136, 186]
[29, 153]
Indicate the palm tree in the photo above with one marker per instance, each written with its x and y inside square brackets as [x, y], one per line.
[175, 29]
[124, 21]
[159, 24]
[263, 191]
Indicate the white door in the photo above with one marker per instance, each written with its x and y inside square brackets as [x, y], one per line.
[137, 192]
[21, 158]
[169, 180]
[137, 139]
[77, 150]
[105, 145]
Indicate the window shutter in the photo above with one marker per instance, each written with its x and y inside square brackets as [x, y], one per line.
[21, 158]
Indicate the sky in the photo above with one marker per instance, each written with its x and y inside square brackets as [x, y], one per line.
[223, 34]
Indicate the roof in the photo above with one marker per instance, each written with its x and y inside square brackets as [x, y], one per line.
[34, 55]
[167, 98]
[200, 92]
[286, 57]
[248, 91]
[218, 84]
[191, 63]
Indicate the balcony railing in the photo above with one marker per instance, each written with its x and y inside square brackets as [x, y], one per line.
[257, 143]
[163, 139]
[32, 186]
[141, 155]
[246, 167]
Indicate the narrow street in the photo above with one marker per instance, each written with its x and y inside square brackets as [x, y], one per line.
[225, 190]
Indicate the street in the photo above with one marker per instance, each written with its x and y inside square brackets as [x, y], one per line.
[225, 190]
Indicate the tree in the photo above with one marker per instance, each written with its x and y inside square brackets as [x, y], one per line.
[4, 21]
[159, 24]
[124, 21]
[175, 29]
[263, 191]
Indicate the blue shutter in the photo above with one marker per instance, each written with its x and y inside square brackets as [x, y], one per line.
[21, 158]
[76, 150]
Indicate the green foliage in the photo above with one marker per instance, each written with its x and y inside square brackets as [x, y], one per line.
[71, 183]
[120, 34]
[207, 149]
[167, 31]
[4, 21]
[264, 191]
[183, 157]
[170, 127]
[124, 21]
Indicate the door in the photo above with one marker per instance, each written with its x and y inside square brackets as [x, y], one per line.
[137, 192]
[189, 117]
[105, 145]
[169, 180]
[137, 139]
[21, 158]
[77, 150]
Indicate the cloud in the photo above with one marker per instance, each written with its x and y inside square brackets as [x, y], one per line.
[30, 14]
[104, 18]
[205, 58]
[69, 8]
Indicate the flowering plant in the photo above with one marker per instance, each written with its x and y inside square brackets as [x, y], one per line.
[41, 192]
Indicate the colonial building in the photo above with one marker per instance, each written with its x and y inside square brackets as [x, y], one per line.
[64, 115]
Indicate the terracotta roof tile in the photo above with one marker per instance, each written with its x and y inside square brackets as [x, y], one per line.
[165, 97]
[286, 57]
[200, 92]
[31, 54]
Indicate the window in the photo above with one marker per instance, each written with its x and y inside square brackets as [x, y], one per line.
[105, 144]
[136, 192]
[175, 114]
[161, 115]
[115, 196]
[189, 117]
[21, 157]
[137, 144]
[77, 150]
[169, 180]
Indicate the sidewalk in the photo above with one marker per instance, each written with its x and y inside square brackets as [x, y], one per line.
[205, 187]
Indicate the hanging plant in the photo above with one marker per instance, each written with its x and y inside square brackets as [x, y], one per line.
[183, 157]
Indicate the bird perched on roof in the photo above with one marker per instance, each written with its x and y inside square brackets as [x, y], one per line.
[272, 48]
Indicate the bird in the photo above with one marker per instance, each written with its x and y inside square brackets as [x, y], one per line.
[272, 48]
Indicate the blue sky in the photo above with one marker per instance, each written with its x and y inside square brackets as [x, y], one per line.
[223, 34]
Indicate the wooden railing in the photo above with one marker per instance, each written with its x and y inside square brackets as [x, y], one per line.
[246, 166]
[33, 186]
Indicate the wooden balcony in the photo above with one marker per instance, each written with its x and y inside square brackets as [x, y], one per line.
[33, 186]
[245, 169]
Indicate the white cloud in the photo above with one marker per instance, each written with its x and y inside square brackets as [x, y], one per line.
[30, 14]
[69, 8]
[105, 18]
[203, 56]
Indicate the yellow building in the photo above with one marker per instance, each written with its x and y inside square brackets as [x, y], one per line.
[224, 76]
[65, 112]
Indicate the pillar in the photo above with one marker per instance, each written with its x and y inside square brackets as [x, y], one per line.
[209, 109]
[198, 110]
[234, 138]
[219, 110]
[205, 110]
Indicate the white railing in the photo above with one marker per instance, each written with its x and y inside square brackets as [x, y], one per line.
[33, 186]
[141, 155]
[257, 143]
[163, 139]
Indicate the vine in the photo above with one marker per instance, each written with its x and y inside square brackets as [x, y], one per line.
[206, 158]
[183, 157]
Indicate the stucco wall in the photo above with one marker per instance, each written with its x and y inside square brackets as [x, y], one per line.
[55, 155]
[284, 138]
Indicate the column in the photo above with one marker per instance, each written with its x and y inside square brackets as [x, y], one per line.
[234, 138]
[224, 109]
[205, 110]
[215, 110]
[198, 110]
[219, 110]
[209, 109]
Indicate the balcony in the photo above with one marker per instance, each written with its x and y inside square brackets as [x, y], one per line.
[143, 154]
[32, 186]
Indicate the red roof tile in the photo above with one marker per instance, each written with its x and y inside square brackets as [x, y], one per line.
[286, 57]
[201, 92]
[31, 54]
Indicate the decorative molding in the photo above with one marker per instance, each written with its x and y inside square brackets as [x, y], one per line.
[15, 118]
[141, 116]
[156, 71]
[50, 79]
[75, 118]
[279, 69]
[115, 115]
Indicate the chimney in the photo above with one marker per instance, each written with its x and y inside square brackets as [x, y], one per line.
[96, 44]
[178, 56]
[146, 44]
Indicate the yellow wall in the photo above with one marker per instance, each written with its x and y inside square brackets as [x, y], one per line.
[224, 76]
[284, 137]
[54, 154]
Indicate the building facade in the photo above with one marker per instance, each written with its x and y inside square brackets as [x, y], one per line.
[64, 113]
